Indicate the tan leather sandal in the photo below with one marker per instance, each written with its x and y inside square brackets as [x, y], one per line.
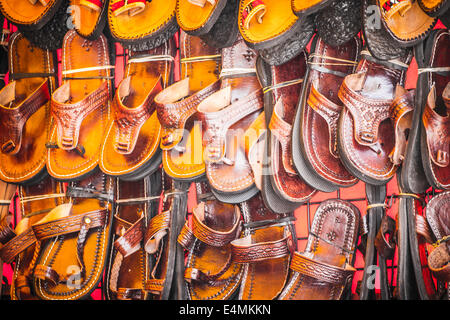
[89, 17]
[25, 111]
[80, 107]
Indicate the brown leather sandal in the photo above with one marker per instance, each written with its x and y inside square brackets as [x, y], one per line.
[314, 148]
[176, 106]
[29, 15]
[131, 146]
[22, 248]
[405, 21]
[89, 17]
[80, 107]
[129, 264]
[365, 130]
[74, 239]
[25, 111]
[264, 250]
[283, 190]
[234, 126]
[324, 270]
[210, 272]
[140, 24]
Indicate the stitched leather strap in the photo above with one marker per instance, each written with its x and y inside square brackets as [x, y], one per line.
[69, 224]
[47, 274]
[14, 119]
[367, 113]
[156, 230]
[130, 241]
[330, 112]
[244, 251]
[129, 120]
[219, 122]
[155, 286]
[173, 115]
[69, 116]
[204, 233]
[437, 130]
[6, 232]
[16, 245]
[321, 271]
[130, 294]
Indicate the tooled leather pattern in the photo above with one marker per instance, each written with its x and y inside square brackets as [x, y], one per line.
[208, 236]
[15, 246]
[158, 223]
[14, 119]
[262, 251]
[128, 123]
[437, 131]
[401, 106]
[131, 238]
[437, 213]
[69, 117]
[330, 112]
[69, 224]
[367, 114]
[319, 271]
[6, 233]
[218, 123]
[282, 131]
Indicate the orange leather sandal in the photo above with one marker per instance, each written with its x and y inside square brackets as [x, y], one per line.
[140, 24]
[25, 111]
[176, 106]
[197, 17]
[74, 241]
[131, 146]
[80, 107]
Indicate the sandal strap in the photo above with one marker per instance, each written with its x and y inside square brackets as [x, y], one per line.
[69, 116]
[320, 270]
[16, 245]
[439, 262]
[244, 251]
[156, 230]
[155, 286]
[130, 240]
[14, 119]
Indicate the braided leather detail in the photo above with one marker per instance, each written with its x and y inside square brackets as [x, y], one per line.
[129, 242]
[320, 271]
[16, 245]
[186, 238]
[81, 240]
[259, 251]
[69, 224]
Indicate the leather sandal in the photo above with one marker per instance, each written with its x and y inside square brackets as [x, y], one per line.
[378, 40]
[20, 245]
[434, 8]
[176, 106]
[197, 17]
[142, 25]
[405, 21]
[324, 270]
[80, 107]
[25, 111]
[264, 250]
[234, 126]
[210, 272]
[129, 264]
[308, 7]
[433, 67]
[225, 30]
[283, 190]
[272, 28]
[365, 131]
[339, 22]
[435, 134]
[89, 17]
[74, 240]
[314, 148]
[29, 15]
[131, 146]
